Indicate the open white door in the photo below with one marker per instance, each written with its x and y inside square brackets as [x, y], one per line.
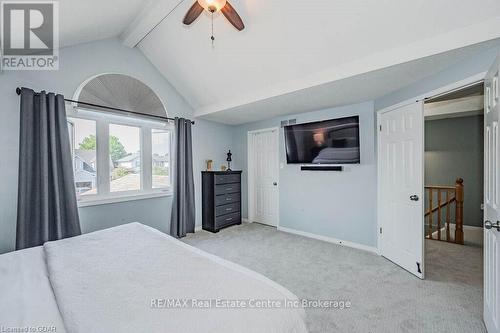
[400, 175]
[263, 147]
[492, 202]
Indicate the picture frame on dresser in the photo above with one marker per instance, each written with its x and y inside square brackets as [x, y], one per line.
[221, 199]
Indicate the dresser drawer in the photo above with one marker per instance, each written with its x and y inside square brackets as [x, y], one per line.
[227, 188]
[227, 179]
[222, 221]
[227, 199]
[227, 209]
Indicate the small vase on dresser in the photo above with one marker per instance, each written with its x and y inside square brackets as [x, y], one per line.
[221, 199]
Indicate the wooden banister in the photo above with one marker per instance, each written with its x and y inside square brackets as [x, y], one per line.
[443, 204]
[453, 195]
[438, 187]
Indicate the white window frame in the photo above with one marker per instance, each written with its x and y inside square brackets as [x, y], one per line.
[102, 121]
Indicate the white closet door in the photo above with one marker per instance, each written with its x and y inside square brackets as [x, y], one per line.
[265, 176]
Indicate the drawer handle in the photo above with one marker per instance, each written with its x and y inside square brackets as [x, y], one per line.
[229, 189]
[228, 209]
[228, 199]
[229, 219]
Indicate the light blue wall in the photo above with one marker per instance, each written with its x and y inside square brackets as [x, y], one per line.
[210, 140]
[341, 205]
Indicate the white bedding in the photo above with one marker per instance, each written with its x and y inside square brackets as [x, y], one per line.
[26, 297]
[106, 281]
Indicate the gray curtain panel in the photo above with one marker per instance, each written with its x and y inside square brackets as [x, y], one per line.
[46, 208]
[183, 209]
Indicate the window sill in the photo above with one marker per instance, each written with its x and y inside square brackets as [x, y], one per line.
[88, 202]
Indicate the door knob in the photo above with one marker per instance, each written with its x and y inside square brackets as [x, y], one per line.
[275, 184]
[414, 197]
[488, 225]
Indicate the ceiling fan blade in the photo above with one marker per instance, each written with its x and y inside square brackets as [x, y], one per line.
[232, 16]
[193, 13]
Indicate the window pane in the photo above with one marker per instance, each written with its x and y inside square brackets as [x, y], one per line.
[161, 158]
[83, 145]
[125, 158]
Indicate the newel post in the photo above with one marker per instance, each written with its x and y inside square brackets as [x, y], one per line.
[459, 211]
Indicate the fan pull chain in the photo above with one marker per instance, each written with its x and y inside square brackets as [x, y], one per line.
[212, 37]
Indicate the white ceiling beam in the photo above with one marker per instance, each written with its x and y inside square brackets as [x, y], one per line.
[460, 107]
[147, 20]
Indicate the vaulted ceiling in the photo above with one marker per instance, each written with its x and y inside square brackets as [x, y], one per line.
[90, 20]
[292, 45]
[293, 55]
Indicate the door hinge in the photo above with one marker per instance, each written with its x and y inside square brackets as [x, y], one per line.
[380, 230]
[418, 268]
[380, 127]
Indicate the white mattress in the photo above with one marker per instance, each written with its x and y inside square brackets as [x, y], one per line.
[104, 281]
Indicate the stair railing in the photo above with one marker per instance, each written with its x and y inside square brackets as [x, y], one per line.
[453, 195]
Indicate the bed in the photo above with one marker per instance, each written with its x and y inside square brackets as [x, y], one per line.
[133, 278]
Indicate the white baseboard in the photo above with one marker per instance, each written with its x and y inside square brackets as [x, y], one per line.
[330, 240]
[245, 220]
[470, 227]
[472, 235]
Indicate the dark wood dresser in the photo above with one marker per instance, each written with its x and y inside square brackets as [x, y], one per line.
[221, 191]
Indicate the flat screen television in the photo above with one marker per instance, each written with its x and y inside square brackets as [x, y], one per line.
[334, 141]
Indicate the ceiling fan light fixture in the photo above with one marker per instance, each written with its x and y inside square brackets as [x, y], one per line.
[212, 5]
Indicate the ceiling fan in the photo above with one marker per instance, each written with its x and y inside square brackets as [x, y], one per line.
[213, 6]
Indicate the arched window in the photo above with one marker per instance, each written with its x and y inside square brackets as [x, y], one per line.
[121, 92]
[116, 156]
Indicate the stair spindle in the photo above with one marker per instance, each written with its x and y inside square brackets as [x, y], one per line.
[439, 215]
[431, 194]
[448, 217]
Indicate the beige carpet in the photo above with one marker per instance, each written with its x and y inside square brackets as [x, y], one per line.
[384, 297]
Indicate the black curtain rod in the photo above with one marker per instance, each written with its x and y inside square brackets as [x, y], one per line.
[18, 91]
